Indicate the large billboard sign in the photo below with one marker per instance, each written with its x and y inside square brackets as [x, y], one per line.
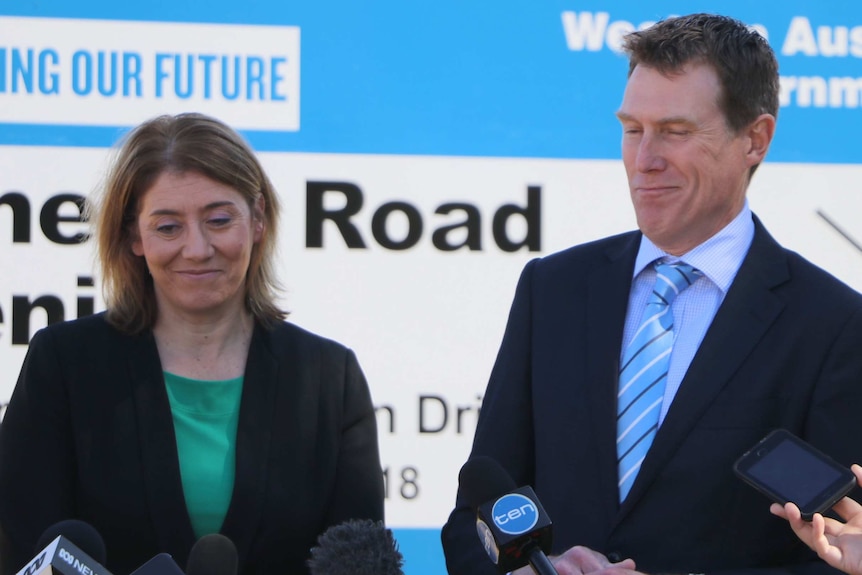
[423, 153]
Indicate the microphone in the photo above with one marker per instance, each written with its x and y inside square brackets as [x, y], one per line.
[512, 525]
[356, 547]
[161, 564]
[58, 551]
[79, 533]
[213, 554]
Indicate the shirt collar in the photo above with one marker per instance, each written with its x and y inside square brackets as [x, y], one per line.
[719, 257]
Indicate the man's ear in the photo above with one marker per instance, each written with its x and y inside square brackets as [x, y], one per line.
[760, 133]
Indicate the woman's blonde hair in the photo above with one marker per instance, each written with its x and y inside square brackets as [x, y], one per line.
[182, 143]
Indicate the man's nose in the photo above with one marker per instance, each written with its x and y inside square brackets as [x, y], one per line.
[650, 155]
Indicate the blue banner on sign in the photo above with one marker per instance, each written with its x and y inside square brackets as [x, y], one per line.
[423, 554]
[511, 78]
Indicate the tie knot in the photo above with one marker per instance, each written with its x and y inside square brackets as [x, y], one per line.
[671, 279]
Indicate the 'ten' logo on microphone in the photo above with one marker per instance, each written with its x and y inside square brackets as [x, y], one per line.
[515, 514]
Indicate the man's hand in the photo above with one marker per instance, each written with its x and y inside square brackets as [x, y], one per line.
[582, 561]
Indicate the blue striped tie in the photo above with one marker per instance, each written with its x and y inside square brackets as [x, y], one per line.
[644, 372]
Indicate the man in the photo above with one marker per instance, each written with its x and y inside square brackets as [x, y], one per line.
[630, 447]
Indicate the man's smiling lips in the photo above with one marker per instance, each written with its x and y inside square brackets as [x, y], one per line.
[654, 189]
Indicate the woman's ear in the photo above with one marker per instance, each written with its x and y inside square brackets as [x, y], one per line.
[258, 220]
[135, 238]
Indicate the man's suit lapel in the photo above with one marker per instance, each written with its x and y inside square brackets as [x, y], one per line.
[609, 287]
[160, 464]
[747, 312]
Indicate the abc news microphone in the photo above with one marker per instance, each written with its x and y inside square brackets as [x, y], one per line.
[61, 555]
[74, 547]
[510, 521]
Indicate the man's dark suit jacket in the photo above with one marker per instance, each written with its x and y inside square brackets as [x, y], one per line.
[88, 434]
[784, 350]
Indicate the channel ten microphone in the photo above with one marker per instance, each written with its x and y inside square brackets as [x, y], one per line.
[511, 523]
[62, 556]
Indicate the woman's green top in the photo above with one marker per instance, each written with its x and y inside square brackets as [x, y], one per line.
[205, 415]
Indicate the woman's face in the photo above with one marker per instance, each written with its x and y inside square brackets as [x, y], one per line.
[196, 236]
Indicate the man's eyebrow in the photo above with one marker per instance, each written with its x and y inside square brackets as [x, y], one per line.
[624, 117]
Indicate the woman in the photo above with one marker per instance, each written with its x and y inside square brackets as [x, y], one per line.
[189, 406]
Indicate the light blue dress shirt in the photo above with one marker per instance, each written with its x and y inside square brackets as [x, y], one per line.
[719, 259]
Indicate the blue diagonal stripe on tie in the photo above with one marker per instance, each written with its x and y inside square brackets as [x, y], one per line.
[644, 372]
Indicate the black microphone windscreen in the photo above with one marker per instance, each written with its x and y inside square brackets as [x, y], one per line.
[356, 547]
[213, 554]
[482, 479]
[78, 532]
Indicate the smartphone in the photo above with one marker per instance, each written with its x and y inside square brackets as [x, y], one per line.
[785, 468]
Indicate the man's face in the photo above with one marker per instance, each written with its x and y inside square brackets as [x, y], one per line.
[687, 172]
